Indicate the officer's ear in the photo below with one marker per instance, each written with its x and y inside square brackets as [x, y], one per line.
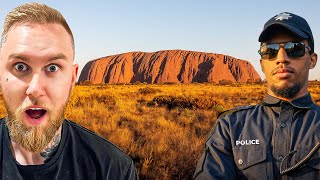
[313, 60]
[261, 64]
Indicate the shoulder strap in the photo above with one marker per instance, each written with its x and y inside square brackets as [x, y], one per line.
[230, 111]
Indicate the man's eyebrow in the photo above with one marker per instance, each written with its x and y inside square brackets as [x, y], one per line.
[18, 56]
[58, 56]
[24, 58]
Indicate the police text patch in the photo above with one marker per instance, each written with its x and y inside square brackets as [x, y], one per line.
[247, 142]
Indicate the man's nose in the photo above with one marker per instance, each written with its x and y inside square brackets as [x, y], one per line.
[282, 56]
[35, 88]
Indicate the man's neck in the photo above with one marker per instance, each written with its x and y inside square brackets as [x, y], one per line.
[25, 157]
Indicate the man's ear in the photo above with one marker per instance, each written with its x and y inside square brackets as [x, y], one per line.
[74, 73]
[313, 60]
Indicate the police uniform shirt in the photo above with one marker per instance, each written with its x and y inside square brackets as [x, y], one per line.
[81, 154]
[252, 142]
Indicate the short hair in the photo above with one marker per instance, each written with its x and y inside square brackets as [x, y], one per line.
[34, 13]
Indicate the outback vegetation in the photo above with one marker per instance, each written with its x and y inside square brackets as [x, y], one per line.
[162, 127]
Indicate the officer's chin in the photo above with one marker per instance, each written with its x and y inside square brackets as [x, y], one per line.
[286, 90]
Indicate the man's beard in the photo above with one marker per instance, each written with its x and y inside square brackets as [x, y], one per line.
[287, 92]
[34, 138]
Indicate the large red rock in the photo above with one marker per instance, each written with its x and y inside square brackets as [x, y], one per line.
[168, 66]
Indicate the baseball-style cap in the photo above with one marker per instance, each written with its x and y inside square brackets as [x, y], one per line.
[293, 23]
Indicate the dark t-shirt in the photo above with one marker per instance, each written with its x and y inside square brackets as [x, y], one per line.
[81, 154]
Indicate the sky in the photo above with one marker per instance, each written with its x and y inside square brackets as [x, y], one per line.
[103, 28]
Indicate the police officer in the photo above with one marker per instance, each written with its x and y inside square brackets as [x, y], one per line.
[279, 138]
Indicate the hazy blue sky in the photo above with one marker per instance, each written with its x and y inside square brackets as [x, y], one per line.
[103, 28]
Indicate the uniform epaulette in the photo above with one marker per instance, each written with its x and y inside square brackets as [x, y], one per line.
[230, 111]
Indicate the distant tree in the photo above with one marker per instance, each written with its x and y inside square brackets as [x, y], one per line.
[258, 80]
[137, 83]
[250, 80]
[86, 83]
[225, 82]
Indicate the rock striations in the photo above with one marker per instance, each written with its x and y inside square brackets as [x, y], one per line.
[168, 66]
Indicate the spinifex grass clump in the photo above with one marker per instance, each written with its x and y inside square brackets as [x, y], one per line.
[205, 102]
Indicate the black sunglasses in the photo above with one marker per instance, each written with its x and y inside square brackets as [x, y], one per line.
[293, 49]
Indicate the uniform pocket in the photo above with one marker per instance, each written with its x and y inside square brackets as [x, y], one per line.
[247, 156]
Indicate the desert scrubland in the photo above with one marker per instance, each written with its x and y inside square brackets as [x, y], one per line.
[162, 127]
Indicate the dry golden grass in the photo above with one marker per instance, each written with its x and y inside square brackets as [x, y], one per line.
[162, 127]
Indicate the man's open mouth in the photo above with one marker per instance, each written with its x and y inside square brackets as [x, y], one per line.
[36, 113]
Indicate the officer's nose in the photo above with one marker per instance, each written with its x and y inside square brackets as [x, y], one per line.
[282, 56]
[35, 87]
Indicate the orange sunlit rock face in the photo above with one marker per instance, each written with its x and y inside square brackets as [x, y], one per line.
[168, 66]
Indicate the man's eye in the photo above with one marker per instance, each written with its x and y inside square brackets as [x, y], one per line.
[21, 67]
[52, 68]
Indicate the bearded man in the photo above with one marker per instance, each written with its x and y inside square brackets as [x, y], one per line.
[37, 75]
